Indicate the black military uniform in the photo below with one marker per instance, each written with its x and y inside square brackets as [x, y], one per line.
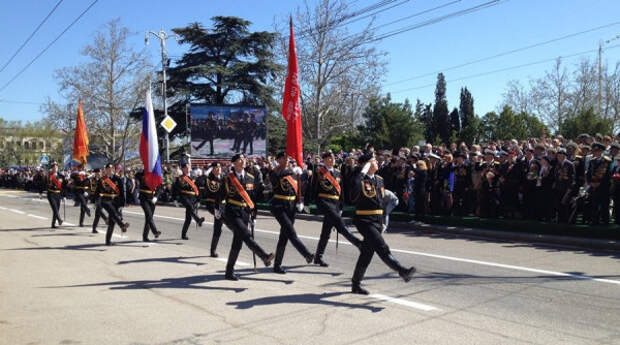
[511, 177]
[80, 192]
[215, 205]
[237, 216]
[462, 185]
[598, 178]
[249, 131]
[326, 191]
[564, 187]
[148, 200]
[368, 193]
[94, 198]
[111, 197]
[187, 193]
[210, 133]
[55, 192]
[283, 208]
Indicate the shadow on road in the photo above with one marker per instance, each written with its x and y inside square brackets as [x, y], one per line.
[192, 282]
[86, 247]
[304, 298]
[173, 259]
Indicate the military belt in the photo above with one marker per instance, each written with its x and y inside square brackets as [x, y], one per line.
[284, 197]
[106, 195]
[53, 191]
[78, 187]
[368, 212]
[237, 203]
[146, 191]
[188, 192]
[329, 196]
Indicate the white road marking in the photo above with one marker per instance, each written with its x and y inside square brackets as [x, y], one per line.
[35, 216]
[240, 263]
[2, 208]
[67, 223]
[405, 302]
[16, 211]
[437, 256]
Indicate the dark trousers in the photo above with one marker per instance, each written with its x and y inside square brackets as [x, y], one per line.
[332, 218]
[79, 197]
[370, 228]
[217, 227]
[114, 217]
[54, 200]
[189, 203]
[562, 210]
[149, 224]
[99, 213]
[210, 141]
[285, 215]
[246, 141]
[237, 219]
[600, 205]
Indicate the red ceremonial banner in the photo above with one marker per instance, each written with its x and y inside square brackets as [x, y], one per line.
[291, 107]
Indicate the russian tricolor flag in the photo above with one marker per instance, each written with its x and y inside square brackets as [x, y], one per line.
[149, 150]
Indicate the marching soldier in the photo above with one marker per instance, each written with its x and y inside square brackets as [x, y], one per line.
[187, 192]
[55, 193]
[367, 194]
[94, 198]
[110, 197]
[249, 131]
[326, 190]
[598, 179]
[211, 132]
[80, 192]
[283, 204]
[148, 201]
[238, 190]
[215, 203]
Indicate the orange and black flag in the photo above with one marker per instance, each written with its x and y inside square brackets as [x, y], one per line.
[80, 141]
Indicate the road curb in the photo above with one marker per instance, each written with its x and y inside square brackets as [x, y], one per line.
[397, 227]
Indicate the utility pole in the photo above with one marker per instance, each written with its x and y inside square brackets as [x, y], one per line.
[163, 36]
[600, 72]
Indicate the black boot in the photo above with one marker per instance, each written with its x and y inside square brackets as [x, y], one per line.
[318, 259]
[279, 270]
[357, 289]
[309, 258]
[406, 274]
[268, 259]
[231, 276]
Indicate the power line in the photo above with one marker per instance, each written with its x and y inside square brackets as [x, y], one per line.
[31, 35]
[506, 69]
[435, 20]
[508, 52]
[418, 14]
[48, 46]
[18, 102]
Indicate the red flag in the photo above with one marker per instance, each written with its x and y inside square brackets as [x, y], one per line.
[291, 108]
[80, 141]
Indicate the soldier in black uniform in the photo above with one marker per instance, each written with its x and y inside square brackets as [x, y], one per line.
[283, 205]
[249, 131]
[564, 186]
[94, 198]
[211, 132]
[598, 179]
[462, 185]
[80, 192]
[55, 189]
[326, 190]
[110, 196]
[187, 192]
[148, 201]
[367, 194]
[238, 190]
[215, 203]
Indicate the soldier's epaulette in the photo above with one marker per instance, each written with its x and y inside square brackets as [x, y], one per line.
[578, 157]
[607, 158]
[379, 177]
[250, 175]
[496, 163]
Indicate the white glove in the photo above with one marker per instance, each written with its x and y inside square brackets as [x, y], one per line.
[218, 213]
[366, 168]
[297, 170]
[85, 194]
[154, 200]
[64, 199]
[340, 213]
[300, 207]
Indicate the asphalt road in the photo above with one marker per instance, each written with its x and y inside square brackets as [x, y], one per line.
[66, 287]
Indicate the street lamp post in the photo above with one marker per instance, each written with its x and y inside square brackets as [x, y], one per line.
[600, 73]
[163, 36]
